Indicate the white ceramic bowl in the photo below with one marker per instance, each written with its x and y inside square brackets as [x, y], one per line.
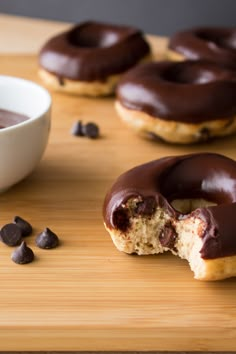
[22, 145]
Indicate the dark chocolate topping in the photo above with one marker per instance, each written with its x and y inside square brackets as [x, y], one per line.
[190, 92]
[9, 118]
[93, 51]
[206, 175]
[212, 43]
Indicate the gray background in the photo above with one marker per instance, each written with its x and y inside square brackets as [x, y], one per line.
[153, 16]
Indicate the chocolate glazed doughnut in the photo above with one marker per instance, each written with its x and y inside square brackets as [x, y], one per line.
[88, 58]
[184, 204]
[212, 43]
[180, 102]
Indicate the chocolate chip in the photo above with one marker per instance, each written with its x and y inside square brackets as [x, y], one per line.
[77, 129]
[204, 134]
[154, 137]
[91, 130]
[61, 81]
[168, 236]
[121, 219]
[147, 207]
[26, 228]
[22, 254]
[11, 235]
[47, 239]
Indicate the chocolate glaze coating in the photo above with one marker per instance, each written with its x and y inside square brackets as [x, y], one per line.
[189, 91]
[205, 175]
[216, 44]
[93, 51]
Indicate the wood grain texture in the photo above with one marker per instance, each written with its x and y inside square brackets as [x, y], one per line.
[26, 35]
[85, 295]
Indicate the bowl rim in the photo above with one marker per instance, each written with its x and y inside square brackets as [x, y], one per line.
[44, 91]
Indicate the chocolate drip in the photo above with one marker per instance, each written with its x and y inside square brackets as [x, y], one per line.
[219, 237]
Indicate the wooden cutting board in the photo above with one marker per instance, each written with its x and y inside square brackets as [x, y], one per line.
[86, 295]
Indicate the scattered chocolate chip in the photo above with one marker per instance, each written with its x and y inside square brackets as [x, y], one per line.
[91, 130]
[146, 207]
[121, 219]
[168, 236]
[26, 228]
[22, 254]
[47, 239]
[77, 129]
[11, 235]
[61, 81]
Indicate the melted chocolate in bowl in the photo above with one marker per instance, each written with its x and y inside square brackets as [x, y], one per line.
[9, 118]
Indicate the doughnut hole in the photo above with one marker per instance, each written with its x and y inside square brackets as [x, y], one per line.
[92, 36]
[186, 206]
[193, 73]
[225, 41]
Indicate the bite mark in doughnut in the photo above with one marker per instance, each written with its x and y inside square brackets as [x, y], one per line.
[183, 204]
[182, 102]
[216, 44]
[89, 58]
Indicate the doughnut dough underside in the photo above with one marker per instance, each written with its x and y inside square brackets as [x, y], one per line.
[173, 131]
[144, 234]
[84, 88]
